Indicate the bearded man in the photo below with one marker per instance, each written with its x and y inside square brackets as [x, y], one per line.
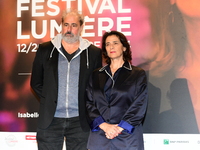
[60, 73]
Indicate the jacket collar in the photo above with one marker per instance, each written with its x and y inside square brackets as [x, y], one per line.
[84, 44]
[126, 65]
[56, 41]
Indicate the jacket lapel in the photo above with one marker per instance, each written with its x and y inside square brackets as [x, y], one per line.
[83, 67]
[54, 64]
[124, 74]
[102, 80]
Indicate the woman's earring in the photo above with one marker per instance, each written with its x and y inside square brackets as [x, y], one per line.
[171, 15]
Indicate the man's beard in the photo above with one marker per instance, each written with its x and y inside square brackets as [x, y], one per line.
[70, 38]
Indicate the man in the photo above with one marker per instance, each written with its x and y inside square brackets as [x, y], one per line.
[60, 74]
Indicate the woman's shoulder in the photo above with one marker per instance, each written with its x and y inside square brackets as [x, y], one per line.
[138, 71]
[137, 68]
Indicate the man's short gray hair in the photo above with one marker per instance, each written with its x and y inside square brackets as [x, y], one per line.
[74, 12]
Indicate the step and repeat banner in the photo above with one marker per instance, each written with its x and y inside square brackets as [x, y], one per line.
[24, 140]
[164, 36]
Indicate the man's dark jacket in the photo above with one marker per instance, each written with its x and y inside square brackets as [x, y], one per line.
[44, 81]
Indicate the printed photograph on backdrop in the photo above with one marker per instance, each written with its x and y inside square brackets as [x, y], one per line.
[173, 67]
[164, 36]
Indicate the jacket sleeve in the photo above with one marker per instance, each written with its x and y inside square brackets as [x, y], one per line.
[136, 112]
[94, 115]
[37, 74]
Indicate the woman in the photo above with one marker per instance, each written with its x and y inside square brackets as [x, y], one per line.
[188, 66]
[117, 98]
[175, 68]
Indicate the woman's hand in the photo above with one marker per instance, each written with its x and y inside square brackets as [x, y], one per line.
[111, 130]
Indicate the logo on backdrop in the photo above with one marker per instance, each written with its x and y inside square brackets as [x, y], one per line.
[11, 140]
[28, 115]
[167, 142]
[99, 10]
[44, 21]
[30, 137]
